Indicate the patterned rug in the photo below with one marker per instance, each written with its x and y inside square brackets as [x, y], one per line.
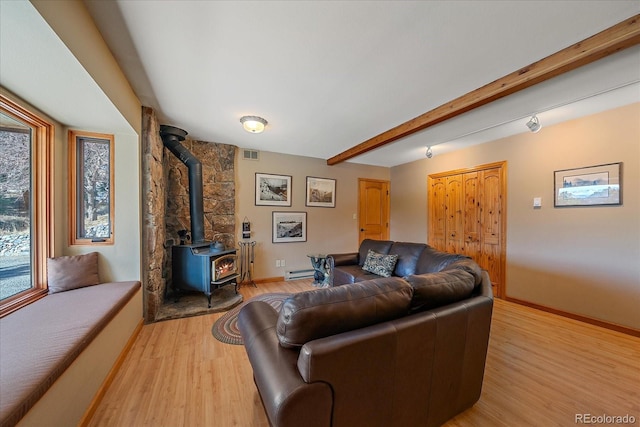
[225, 329]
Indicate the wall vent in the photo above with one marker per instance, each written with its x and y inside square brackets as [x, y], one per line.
[298, 274]
[250, 154]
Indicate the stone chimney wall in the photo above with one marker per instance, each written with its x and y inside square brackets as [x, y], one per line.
[218, 176]
[153, 215]
[166, 204]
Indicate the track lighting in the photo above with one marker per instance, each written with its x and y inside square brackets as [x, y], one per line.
[534, 124]
[429, 153]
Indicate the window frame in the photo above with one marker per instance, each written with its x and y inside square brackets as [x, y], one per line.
[75, 181]
[42, 218]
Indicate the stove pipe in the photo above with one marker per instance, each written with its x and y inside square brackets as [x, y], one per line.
[171, 137]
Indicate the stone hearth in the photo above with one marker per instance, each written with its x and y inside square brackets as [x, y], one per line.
[195, 304]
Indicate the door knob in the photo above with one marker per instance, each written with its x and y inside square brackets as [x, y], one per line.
[362, 229]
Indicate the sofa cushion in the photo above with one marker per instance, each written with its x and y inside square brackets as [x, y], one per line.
[379, 264]
[351, 274]
[71, 272]
[408, 254]
[438, 289]
[320, 313]
[379, 246]
[468, 265]
[432, 260]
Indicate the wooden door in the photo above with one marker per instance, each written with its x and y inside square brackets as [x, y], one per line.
[437, 213]
[467, 216]
[373, 209]
[471, 221]
[491, 225]
[454, 209]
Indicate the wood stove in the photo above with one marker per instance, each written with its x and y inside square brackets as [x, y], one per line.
[202, 267]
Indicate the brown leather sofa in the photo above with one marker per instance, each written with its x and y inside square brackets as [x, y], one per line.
[413, 258]
[382, 352]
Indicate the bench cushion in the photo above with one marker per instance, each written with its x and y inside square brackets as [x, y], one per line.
[40, 341]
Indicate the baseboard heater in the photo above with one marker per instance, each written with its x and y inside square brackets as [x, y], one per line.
[298, 274]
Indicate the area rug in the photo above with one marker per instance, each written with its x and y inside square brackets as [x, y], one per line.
[225, 329]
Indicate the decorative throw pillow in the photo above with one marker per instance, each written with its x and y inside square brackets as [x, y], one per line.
[379, 264]
[72, 272]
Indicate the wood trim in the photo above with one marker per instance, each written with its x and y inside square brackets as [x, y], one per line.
[612, 40]
[494, 165]
[596, 322]
[95, 402]
[269, 279]
[42, 227]
[73, 187]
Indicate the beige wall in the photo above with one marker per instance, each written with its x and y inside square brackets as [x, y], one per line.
[72, 23]
[580, 260]
[329, 230]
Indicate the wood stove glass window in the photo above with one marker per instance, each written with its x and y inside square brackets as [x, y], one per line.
[91, 188]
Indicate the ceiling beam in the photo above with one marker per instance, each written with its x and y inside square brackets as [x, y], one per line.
[612, 40]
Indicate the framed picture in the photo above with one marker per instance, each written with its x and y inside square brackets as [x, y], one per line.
[321, 192]
[589, 186]
[273, 190]
[289, 227]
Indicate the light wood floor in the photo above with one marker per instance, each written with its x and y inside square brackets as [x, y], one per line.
[541, 370]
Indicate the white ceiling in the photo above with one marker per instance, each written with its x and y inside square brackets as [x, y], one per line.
[328, 75]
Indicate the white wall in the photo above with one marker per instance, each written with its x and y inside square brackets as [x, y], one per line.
[579, 260]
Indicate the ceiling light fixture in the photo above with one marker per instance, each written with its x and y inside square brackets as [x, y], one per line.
[534, 124]
[253, 124]
[429, 152]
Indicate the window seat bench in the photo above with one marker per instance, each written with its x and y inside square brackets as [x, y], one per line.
[56, 353]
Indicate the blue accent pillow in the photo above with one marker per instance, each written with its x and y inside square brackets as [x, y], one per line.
[379, 264]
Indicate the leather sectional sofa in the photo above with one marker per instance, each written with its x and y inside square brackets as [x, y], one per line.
[412, 258]
[384, 351]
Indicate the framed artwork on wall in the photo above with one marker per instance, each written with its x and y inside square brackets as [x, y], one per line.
[588, 186]
[321, 192]
[289, 227]
[273, 190]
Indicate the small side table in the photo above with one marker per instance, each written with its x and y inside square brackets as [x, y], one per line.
[321, 273]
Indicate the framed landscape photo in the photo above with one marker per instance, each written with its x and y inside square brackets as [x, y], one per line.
[289, 227]
[273, 190]
[321, 192]
[589, 186]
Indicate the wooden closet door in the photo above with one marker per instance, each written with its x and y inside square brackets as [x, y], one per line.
[437, 213]
[466, 216]
[454, 207]
[471, 223]
[491, 224]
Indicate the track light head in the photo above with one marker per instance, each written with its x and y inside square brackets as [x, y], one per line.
[429, 153]
[534, 124]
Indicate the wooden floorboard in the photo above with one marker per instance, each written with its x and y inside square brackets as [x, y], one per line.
[542, 370]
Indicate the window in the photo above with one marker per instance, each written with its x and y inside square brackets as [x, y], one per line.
[91, 188]
[26, 220]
